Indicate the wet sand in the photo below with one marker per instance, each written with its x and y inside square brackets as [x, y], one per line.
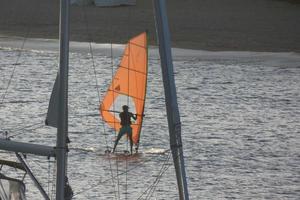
[231, 25]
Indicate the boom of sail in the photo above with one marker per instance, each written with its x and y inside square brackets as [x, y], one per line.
[128, 86]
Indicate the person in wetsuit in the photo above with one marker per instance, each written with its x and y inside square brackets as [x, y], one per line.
[125, 117]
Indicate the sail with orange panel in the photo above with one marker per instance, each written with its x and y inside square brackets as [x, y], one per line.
[128, 87]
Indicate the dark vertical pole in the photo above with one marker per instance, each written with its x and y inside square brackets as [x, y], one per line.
[171, 96]
[62, 127]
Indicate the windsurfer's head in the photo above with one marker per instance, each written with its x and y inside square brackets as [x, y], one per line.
[125, 108]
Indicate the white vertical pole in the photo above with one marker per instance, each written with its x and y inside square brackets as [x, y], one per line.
[171, 96]
[62, 128]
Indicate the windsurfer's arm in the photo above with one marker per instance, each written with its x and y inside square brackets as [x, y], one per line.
[134, 116]
[120, 115]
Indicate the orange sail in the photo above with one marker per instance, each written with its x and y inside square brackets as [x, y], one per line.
[128, 87]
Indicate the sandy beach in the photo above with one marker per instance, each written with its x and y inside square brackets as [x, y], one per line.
[231, 25]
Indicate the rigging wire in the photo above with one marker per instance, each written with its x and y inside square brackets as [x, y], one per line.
[49, 170]
[112, 179]
[97, 86]
[162, 170]
[128, 77]
[118, 180]
[26, 127]
[53, 183]
[39, 166]
[112, 78]
[108, 179]
[15, 66]
[160, 174]
[126, 176]
[16, 63]
[112, 74]
[20, 51]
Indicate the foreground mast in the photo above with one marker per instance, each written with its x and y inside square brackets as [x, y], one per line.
[60, 151]
[62, 123]
[171, 96]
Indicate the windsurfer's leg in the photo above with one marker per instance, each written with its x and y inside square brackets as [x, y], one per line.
[116, 142]
[130, 138]
[120, 134]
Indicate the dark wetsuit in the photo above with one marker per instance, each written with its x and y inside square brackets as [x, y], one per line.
[126, 128]
[126, 118]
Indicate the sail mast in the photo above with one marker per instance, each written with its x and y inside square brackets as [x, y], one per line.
[171, 96]
[62, 128]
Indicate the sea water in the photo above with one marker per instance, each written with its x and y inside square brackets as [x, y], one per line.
[240, 115]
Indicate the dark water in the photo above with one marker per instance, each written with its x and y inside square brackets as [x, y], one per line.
[240, 117]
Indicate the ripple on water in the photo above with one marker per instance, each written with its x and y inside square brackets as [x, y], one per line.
[239, 119]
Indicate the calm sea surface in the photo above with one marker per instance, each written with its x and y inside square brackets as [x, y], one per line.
[240, 114]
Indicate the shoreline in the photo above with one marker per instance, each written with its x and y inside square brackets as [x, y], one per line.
[104, 49]
[234, 25]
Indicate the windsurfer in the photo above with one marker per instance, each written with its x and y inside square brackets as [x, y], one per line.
[125, 117]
